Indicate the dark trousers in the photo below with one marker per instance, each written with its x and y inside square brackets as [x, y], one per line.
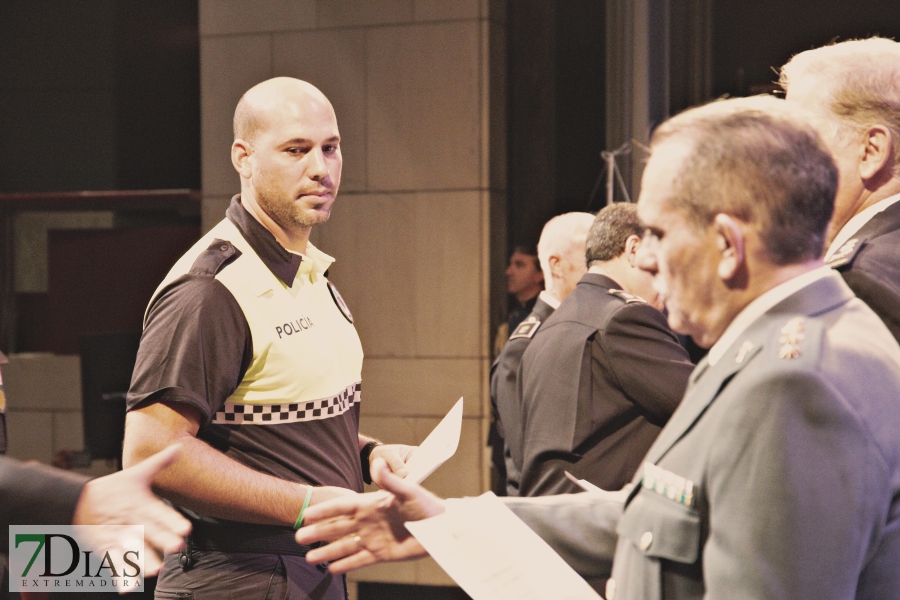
[223, 576]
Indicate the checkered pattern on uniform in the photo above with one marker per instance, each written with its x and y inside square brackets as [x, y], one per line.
[270, 414]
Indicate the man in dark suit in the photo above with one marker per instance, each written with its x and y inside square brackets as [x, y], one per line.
[602, 375]
[854, 87]
[561, 254]
[779, 474]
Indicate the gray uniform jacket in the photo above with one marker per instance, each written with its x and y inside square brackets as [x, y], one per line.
[870, 264]
[599, 380]
[504, 378]
[777, 477]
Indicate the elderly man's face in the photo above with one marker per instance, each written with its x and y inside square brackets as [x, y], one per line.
[296, 162]
[681, 257]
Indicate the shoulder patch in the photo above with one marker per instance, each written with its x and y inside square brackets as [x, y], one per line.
[798, 339]
[526, 328]
[214, 258]
[342, 306]
[628, 298]
[845, 254]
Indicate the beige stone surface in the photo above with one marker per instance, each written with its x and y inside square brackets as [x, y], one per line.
[343, 13]
[422, 387]
[30, 435]
[335, 62]
[229, 66]
[440, 10]
[244, 16]
[43, 381]
[213, 210]
[68, 430]
[412, 268]
[424, 107]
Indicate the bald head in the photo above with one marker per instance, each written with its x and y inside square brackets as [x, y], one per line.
[561, 252]
[268, 101]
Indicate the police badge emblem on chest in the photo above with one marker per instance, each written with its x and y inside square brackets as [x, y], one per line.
[336, 296]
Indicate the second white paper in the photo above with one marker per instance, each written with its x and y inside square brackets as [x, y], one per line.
[493, 555]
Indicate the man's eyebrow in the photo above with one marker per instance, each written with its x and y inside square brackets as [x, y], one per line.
[304, 141]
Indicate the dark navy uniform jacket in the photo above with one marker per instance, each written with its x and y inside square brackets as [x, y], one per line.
[870, 264]
[598, 381]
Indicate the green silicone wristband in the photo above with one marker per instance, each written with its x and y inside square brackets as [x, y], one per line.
[299, 522]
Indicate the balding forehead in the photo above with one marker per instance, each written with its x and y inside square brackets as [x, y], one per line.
[274, 98]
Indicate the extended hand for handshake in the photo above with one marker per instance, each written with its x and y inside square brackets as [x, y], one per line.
[365, 529]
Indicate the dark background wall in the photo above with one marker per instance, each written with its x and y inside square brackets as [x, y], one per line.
[556, 110]
[750, 38]
[99, 95]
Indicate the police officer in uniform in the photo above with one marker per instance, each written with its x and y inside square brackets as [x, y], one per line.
[779, 474]
[854, 87]
[249, 357]
[561, 253]
[603, 373]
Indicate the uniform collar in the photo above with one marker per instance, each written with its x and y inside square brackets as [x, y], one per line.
[857, 223]
[285, 265]
[549, 299]
[761, 305]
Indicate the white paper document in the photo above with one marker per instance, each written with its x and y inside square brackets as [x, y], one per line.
[440, 445]
[493, 555]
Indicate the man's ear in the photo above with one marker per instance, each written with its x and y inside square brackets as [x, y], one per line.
[241, 151]
[631, 247]
[876, 153]
[553, 261]
[730, 244]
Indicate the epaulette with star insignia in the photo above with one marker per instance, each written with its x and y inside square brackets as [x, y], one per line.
[628, 298]
[799, 339]
[526, 328]
[845, 254]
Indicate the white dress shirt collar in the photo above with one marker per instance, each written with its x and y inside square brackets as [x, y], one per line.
[548, 298]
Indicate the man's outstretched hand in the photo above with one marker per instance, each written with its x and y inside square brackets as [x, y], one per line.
[369, 528]
[125, 498]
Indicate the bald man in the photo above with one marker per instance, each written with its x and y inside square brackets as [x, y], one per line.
[561, 254]
[249, 357]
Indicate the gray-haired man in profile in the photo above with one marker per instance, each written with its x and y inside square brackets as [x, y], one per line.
[854, 89]
[779, 474]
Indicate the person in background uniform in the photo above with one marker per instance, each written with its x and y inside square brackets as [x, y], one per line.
[779, 474]
[854, 87]
[524, 281]
[250, 359]
[603, 373]
[561, 254]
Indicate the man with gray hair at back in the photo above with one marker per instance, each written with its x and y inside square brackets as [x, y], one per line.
[854, 89]
[561, 254]
[604, 373]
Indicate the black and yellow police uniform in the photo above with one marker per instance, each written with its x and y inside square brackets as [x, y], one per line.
[257, 340]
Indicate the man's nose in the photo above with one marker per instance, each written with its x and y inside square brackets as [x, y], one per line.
[316, 168]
